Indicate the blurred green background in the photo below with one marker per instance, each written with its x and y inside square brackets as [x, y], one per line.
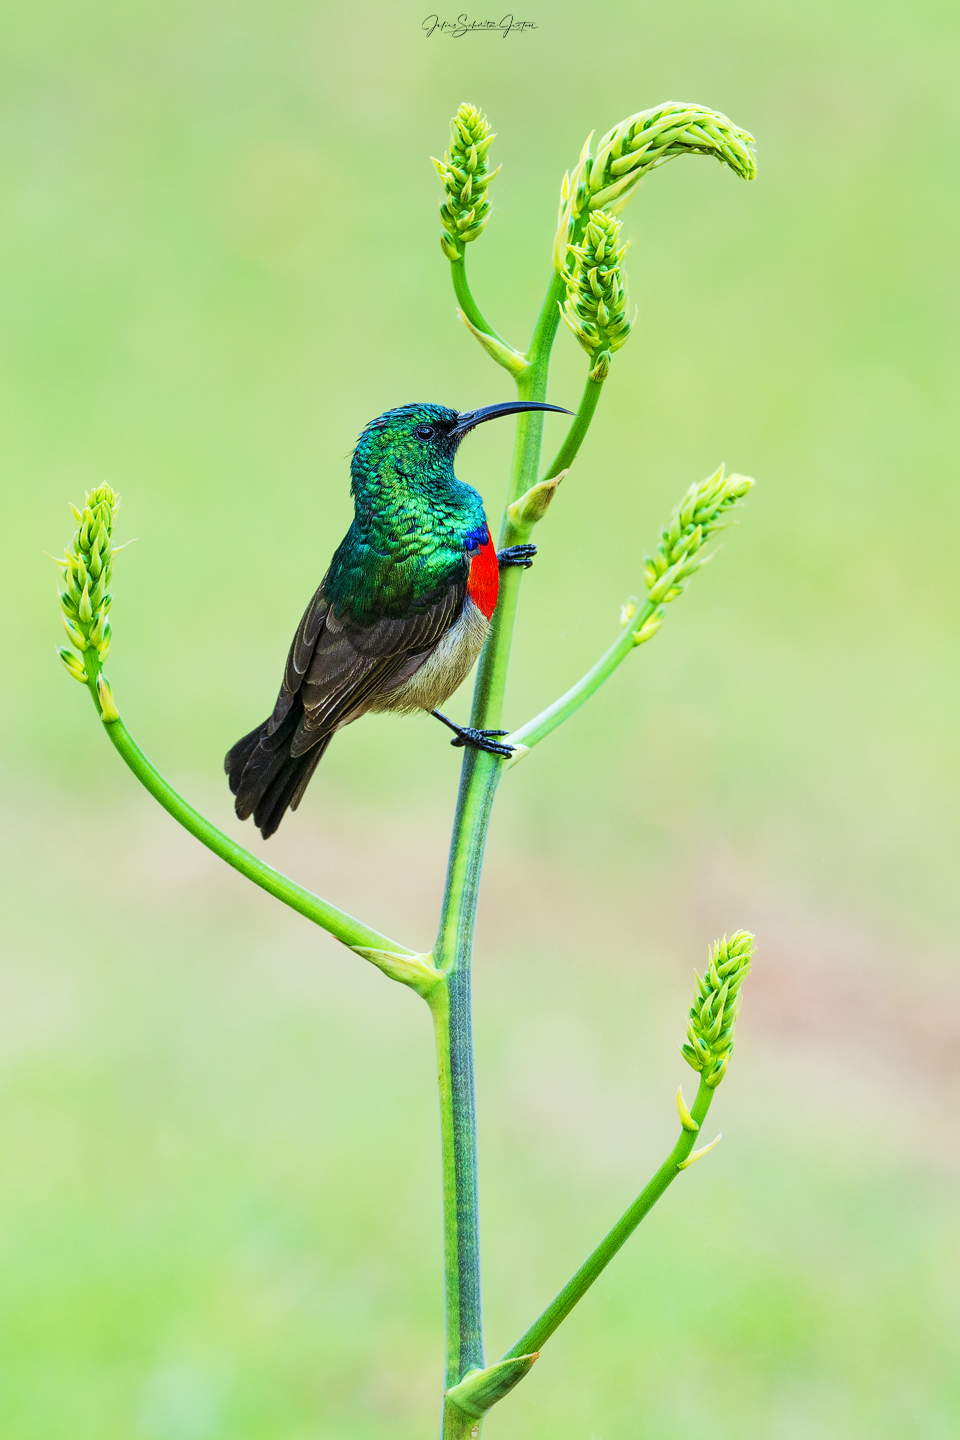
[219, 1180]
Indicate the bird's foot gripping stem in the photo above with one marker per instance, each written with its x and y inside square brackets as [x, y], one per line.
[516, 555]
[476, 739]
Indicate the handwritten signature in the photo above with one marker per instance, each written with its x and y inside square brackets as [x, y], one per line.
[456, 29]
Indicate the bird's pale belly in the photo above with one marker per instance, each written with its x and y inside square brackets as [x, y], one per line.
[443, 669]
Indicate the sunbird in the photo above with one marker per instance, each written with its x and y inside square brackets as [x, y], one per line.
[401, 614]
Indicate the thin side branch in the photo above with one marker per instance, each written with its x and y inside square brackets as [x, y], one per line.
[704, 510]
[535, 730]
[469, 306]
[396, 960]
[579, 1283]
[579, 426]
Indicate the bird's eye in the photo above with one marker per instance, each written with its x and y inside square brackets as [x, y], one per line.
[424, 432]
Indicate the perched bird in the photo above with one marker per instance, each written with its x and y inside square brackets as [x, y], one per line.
[400, 616]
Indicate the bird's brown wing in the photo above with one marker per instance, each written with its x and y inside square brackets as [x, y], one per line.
[337, 666]
[335, 669]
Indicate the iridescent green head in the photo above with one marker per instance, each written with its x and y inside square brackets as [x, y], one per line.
[421, 439]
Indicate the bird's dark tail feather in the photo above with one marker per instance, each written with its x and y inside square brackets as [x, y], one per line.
[266, 779]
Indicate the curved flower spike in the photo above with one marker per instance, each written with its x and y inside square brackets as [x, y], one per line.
[640, 143]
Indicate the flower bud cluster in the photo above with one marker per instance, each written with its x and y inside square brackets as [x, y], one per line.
[640, 143]
[464, 208]
[702, 511]
[596, 304]
[87, 566]
[709, 1042]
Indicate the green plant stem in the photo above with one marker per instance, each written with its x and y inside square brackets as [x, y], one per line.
[451, 1008]
[579, 1283]
[457, 1426]
[450, 1003]
[541, 725]
[338, 923]
[469, 306]
[491, 680]
[579, 426]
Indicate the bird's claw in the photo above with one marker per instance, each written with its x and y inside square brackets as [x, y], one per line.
[516, 555]
[476, 739]
[482, 740]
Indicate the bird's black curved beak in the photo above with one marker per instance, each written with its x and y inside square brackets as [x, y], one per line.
[469, 418]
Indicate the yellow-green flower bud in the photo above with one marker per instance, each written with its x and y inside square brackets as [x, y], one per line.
[709, 1042]
[465, 208]
[108, 707]
[596, 304]
[648, 630]
[633, 148]
[98, 629]
[686, 1119]
[87, 566]
[73, 665]
[76, 637]
[533, 504]
[702, 511]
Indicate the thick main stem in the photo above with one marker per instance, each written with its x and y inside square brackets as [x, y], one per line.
[454, 1030]
[531, 385]
[451, 1005]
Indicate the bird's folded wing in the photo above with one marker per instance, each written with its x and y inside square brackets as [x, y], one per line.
[337, 665]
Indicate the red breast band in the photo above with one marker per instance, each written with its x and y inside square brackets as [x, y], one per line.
[483, 583]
